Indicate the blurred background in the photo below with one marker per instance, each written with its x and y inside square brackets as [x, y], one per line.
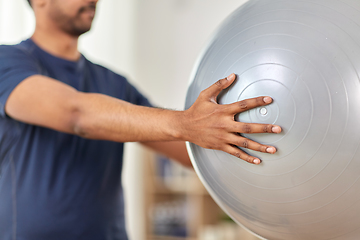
[155, 44]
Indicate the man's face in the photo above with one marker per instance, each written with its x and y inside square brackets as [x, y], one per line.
[72, 16]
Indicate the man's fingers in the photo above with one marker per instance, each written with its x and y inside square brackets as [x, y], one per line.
[241, 127]
[235, 151]
[214, 90]
[247, 104]
[249, 144]
[242, 142]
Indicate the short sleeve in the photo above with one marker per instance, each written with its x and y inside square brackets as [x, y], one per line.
[135, 97]
[15, 66]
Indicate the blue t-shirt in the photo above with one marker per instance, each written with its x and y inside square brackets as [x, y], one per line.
[53, 185]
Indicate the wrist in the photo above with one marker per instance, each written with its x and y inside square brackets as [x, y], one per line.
[179, 125]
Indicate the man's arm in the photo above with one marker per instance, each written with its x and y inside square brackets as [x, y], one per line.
[43, 101]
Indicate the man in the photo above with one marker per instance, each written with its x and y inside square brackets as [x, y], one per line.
[63, 120]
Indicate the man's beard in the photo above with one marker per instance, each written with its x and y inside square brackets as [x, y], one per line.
[74, 26]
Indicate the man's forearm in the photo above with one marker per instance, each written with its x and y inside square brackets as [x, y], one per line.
[103, 117]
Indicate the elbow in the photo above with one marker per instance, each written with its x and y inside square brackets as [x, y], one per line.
[82, 125]
[80, 129]
[79, 122]
[87, 118]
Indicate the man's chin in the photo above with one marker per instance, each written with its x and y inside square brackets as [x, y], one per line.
[76, 32]
[80, 25]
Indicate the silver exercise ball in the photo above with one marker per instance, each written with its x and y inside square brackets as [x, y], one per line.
[306, 56]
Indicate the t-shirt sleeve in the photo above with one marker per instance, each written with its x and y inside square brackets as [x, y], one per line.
[15, 66]
[127, 92]
[135, 97]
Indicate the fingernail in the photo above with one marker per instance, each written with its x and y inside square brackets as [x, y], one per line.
[267, 99]
[271, 150]
[276, 129]
[231, 77]
[256, 161]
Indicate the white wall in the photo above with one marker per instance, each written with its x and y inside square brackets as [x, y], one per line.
[16, 21]
[153, 42]
[170, 36]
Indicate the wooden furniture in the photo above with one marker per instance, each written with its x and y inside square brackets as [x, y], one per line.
[178, 207]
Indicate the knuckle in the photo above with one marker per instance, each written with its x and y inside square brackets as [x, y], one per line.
[220, 145]
[263, 148]
[259, 101]
[266, 128]
[222, 138]
[245, 144]
[249, 159]
[219, 83]
[246, 128]
[223, 127]
[219, 109]
[243, 105]
[226, 109]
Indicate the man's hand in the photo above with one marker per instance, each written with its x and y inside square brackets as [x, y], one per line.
[211, 125]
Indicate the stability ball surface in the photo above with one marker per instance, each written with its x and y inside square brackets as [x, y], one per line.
[305, 54]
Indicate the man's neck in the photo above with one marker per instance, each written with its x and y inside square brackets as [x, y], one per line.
[57, 43]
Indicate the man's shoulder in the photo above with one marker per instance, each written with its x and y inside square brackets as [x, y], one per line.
[19, 49]
[8, 48]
